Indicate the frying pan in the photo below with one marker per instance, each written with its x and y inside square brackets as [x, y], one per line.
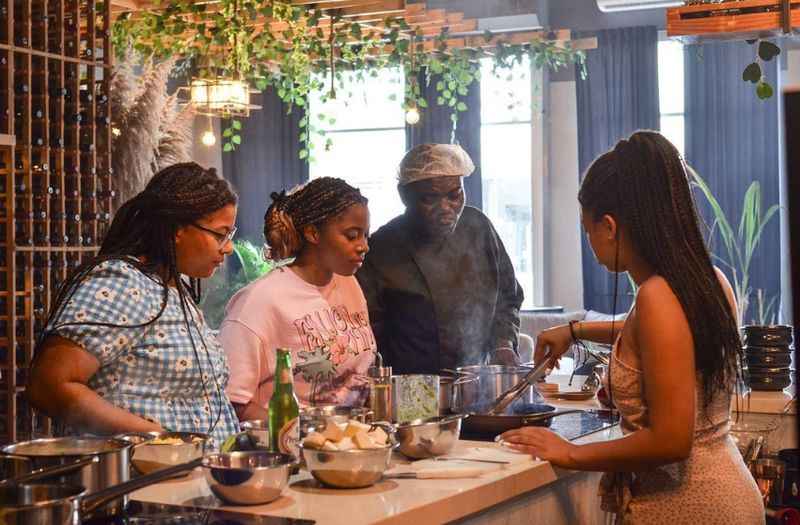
[539, 415]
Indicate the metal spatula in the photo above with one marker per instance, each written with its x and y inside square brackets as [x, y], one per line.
[506, 398]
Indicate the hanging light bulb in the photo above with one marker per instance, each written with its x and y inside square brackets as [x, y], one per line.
[412, 115]
[208, 138]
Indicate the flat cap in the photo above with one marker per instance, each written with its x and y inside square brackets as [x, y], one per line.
[428, 161]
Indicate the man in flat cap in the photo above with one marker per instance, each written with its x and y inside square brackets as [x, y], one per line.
[439, 284]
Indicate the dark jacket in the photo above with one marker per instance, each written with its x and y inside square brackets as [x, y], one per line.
[440, 306]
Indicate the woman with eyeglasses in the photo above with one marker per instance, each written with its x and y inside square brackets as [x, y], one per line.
[125, 348]
[312, 305]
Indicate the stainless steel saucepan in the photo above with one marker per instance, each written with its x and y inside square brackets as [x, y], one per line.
[45, 504]
[111, 468]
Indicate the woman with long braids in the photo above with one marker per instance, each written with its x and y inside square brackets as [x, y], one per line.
[675, 360]
[125, 347]
[312, 306]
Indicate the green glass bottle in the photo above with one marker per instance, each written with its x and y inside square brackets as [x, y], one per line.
[284, 425]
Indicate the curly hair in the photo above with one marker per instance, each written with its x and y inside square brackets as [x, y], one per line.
[311, 204]
[643, 183]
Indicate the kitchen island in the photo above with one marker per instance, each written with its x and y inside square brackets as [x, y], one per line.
[523, 491]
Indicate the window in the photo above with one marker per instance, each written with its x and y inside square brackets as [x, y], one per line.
[506, 164]
[670, 91]
[367, 131]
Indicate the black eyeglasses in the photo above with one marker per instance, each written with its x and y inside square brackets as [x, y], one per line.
[222, 238]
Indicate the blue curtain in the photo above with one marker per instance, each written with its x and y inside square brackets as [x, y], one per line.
[435, 126]
[732, 140]
[618, 96]
[266, 161]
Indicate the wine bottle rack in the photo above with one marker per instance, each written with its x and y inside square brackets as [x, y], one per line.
[55, 174]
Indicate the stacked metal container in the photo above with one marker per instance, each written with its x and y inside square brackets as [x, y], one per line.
[768, 353]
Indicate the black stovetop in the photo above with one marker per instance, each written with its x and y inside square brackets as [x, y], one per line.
[140, 513]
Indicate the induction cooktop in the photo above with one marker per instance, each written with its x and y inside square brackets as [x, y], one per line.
[140, 513]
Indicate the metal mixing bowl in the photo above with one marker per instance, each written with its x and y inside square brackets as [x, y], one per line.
[247, 478]
[347, 469]
[425, 438]
[149, 455]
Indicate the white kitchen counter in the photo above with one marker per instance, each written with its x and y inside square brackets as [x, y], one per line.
[522, 492]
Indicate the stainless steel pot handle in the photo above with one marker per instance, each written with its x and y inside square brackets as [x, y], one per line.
[49, 472]
[527, 420]
[92, 502]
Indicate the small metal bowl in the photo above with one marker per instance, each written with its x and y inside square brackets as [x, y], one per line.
[347, 469]
[259, 429]
[149, 455]
[247, 478]
[425, 438]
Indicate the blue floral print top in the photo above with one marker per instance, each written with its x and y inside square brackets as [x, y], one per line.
[152, 371]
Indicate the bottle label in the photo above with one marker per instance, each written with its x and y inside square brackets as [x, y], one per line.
[289, 437]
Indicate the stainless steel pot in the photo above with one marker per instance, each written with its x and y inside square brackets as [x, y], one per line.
[112, 466]
[449, 386]
[492, 380]
[45, 504]
[14, 466]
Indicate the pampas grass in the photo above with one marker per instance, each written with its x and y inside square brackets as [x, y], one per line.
[155, 131]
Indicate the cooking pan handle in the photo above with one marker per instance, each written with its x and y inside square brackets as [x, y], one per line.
[533, 418]
[92, 502]
[49, 472]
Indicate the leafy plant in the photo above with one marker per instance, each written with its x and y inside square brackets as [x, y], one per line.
[245, 265]
[293, 51]
[766, 51]
[740, 244]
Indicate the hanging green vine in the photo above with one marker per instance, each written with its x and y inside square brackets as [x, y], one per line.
[294, 54]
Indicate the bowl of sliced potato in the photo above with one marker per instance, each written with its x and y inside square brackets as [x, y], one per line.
[154, 451]
[348, 455]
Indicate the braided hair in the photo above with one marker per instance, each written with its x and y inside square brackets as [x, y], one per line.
[643, 183]
[142, 234]
[309, 205]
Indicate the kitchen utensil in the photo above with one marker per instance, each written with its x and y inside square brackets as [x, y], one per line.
[247, 478]
[448, 390]
[456, 473]
[497, 424]
[51, 472]
[347, 469]
[380, 390]
[768, 360]
[424, 438]
[769, 474]
[579, 395]
[112, 467]
[314, 418]
[492, 381]
[46, 504]
[765, 335]
[13, 466]
[492, 461]
[505, 399]
[747, 429]
[259, 429]
[157, 450]
[414, 396]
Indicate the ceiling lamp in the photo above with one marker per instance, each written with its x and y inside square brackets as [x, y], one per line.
[221, 97]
